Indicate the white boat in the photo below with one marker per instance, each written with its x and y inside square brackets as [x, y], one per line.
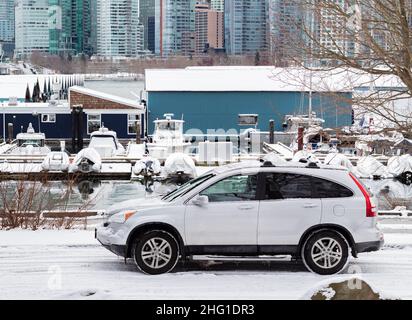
[168, 138]
[338, 159]
[401, 168]
[30, 143]
[369, 167]
[179, 166]
[147, 167]
[274, 158]
[305, 157]
[87, 161]
[106, 144]
[292, 123]
[56, 161]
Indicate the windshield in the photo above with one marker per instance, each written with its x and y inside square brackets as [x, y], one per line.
[173, 126]
[34, 143]
[186, 188]
[102, 141]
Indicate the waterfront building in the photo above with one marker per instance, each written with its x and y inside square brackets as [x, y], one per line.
[212, 98]
[119, 32]
[246, 26]
[54, 119]
[31, 26]
[209, 28]
[175, 27]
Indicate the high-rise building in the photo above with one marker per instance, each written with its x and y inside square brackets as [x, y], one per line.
[31, 26]
[246, 26]
[81, 26]
[201, 26]
[332, 34]
[147, 19]
[59, 26]
[209, 31]
[93, 25]
[7, 21]
[175, 27]
[71, 26]
[218, 5]
[286, 21]
[119, 33]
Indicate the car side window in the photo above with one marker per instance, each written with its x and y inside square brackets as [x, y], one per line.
[287, 186]
[235, 188]
[325, 189]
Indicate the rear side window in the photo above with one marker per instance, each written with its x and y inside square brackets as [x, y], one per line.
[325, 189]
[287, 186]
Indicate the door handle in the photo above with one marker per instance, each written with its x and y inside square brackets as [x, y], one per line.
[246, 207]
[310, 205]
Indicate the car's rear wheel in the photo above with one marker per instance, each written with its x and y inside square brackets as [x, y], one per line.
[156, 252]
[326, 252]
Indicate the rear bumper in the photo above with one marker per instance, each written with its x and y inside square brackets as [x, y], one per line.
[369, 246]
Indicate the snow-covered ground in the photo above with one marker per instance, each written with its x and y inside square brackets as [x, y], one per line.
[72, 265]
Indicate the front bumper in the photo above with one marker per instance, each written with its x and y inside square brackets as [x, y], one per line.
[116, 249]
[111, 241]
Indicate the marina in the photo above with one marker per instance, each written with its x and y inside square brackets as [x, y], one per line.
[106, 133]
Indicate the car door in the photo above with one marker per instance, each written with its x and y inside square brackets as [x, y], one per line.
[228, 222]
[287, 209]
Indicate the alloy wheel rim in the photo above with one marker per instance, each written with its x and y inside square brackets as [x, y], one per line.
[156, 253]
[327, 253]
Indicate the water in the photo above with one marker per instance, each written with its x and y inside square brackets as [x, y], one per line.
[124, 89]
[88, 195]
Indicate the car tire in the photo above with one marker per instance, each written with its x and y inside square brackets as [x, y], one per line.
[155, 252]
[326, 252]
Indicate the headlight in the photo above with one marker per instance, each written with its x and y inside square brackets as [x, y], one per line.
[122, 217]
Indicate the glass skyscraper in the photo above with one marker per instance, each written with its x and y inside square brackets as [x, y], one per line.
[70, 29]
[147, 19]
[246, 26]
[175, 27]
[6, 20]
[287, 20]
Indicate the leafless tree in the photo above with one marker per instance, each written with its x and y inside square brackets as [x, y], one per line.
[369, 39]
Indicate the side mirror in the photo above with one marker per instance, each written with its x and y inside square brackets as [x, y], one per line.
[201, 201]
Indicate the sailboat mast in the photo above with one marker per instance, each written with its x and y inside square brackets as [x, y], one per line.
[310, 100]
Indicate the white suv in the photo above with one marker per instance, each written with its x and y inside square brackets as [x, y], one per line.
[318, 214]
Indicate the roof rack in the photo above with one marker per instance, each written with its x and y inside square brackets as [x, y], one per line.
[312, 165]
[267, 164]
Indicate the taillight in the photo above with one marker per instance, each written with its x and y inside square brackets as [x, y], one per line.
[370, 208]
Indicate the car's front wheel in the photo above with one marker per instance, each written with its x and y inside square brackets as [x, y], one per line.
[156, 252]
[326, 252]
